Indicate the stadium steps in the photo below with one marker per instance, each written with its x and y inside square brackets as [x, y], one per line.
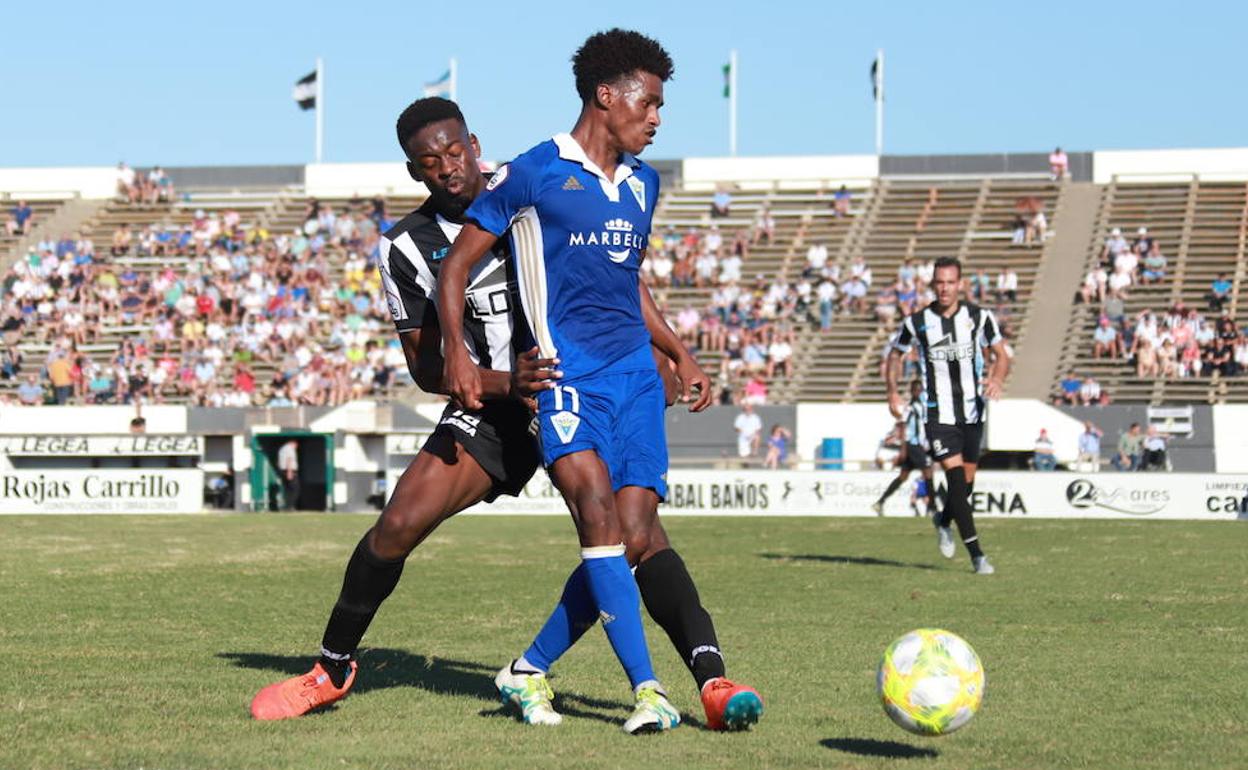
[1058, 277]
[923, 220]
[1167, 209]
[46, 215]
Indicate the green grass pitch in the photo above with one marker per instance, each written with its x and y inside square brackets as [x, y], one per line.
[135, 642]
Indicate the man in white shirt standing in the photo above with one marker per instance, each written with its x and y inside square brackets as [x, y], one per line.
[749, 428]
[288, 469]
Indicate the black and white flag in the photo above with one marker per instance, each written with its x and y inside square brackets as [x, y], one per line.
[305, 91]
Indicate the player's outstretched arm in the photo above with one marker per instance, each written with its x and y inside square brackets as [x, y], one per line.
[687, 368]
[462, 378]
[892, 372]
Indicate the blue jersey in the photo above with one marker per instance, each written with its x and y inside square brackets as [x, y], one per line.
[577, 240]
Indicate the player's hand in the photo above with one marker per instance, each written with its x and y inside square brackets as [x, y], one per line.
[463, 381]
[691, 376]
[896, 405]
[992, 389]
[531, 374]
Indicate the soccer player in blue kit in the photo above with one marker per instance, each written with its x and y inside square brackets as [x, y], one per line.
[578, 208]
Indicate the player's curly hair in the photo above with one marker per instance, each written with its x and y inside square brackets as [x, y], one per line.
[421, 113]
[605, 57]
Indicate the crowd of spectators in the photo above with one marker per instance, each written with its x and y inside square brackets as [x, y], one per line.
[216, 301]
[750, 323]
[1175, 343]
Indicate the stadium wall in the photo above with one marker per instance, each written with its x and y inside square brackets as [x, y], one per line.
[998, 164]
[1228, 164]
[80, 182]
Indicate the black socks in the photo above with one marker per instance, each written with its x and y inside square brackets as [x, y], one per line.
[958, 508]
[366, 584]
[892, 487]
[672, 600]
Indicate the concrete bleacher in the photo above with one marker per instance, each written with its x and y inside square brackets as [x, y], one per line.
[803, 216]
[1202, 227]
[920, 220]
[43, 208]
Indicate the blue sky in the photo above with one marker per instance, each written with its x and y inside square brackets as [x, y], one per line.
[204, 84]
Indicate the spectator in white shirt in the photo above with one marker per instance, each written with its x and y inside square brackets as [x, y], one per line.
[730, 269]
[816, 257]
[826, 294]
[1007, 286]
[779, 357]
[704, 269]
[749, 427]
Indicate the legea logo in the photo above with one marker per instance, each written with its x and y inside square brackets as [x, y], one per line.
[614, 233]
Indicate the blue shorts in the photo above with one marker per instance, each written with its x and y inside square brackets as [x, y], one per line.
[619, 416]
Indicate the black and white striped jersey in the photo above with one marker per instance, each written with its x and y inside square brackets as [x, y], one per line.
[916, 418]
[411, 253]
[951, 359]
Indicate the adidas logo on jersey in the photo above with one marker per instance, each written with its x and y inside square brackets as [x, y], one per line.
[573, 183]
[565, 424]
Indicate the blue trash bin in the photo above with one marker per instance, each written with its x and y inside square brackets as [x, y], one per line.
[831, 455]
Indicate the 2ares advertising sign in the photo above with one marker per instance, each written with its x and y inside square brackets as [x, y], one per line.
[1111, 495]
[103, 490]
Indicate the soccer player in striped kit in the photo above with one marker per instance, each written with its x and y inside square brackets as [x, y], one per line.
[952, 336]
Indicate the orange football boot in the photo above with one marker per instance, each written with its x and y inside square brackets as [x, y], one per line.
[300, 694]
[730, 706]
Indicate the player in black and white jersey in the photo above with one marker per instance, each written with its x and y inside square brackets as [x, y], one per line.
[951, 337]
[472, 455]
[914, 455]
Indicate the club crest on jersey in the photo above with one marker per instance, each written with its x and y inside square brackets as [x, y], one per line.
[499, 177]
[639, 191]
[614, 233]
[565, 424]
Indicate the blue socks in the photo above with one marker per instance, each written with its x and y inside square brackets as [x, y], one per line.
[573, 616]
[602, 587]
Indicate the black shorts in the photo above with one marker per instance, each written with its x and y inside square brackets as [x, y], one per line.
[949, 440]
[501, 438]
[914, 458]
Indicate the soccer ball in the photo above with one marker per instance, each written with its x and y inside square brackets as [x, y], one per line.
[930, 682]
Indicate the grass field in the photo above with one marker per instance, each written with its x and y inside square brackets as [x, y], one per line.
[139, 641]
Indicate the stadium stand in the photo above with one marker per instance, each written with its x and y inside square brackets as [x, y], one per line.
[745, 317]
[920, 221]
[1201, 228]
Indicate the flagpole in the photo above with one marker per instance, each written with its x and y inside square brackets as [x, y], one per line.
[320, 109]
[879, 102]
[454, 80]
[732, 103]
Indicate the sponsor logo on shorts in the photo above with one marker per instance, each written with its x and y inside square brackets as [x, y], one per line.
[462, 420]
[565, 424]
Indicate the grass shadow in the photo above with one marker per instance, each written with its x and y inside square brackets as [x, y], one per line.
[382, 668]
[867, 561]
[869, 747]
